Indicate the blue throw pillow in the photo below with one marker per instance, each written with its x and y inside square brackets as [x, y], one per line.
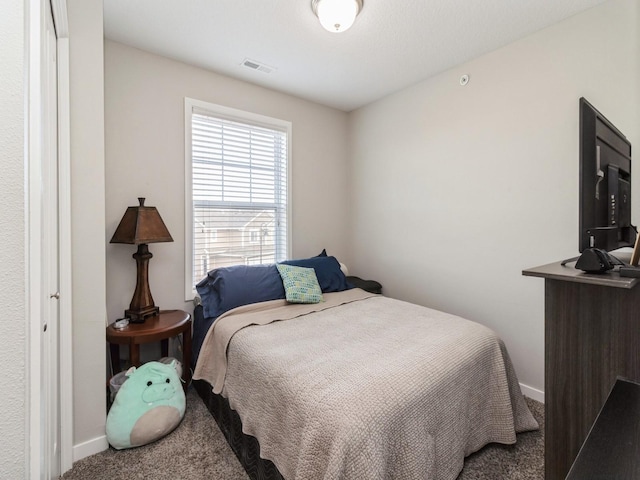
[330, 277]
[230, 287]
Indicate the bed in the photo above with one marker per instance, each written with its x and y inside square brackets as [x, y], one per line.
[356, 386]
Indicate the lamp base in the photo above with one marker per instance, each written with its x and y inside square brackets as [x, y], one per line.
[139, 316]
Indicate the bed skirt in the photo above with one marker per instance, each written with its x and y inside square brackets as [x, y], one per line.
[246, 447]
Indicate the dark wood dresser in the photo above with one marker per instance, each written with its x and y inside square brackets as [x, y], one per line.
[592, 336]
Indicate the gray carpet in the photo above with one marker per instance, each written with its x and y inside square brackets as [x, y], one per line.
[197, 450]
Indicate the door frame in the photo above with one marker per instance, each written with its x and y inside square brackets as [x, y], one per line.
[65, 348]
[36, 11]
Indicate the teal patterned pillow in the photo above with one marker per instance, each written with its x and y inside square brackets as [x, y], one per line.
[300, 284]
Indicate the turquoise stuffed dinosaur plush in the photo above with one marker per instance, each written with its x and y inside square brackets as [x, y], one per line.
[149, 405]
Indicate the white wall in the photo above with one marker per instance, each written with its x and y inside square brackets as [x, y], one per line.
[13, 327]
[144, 130]
[455, 190]
[88, 224]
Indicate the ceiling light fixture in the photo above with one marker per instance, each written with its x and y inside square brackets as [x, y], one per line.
[336, 15]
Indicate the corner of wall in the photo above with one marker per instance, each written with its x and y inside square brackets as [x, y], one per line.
[86, 74]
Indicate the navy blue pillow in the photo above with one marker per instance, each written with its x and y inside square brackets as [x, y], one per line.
[200, 328]
[330, 277]
[230, 287]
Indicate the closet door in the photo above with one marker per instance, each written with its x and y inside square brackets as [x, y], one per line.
[49, 341]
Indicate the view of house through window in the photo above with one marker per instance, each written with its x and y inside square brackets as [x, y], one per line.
[235, 236]
[238, 190]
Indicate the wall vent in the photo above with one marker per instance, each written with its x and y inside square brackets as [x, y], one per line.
[254, 65]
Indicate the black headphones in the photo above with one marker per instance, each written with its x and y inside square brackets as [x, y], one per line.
[595, 260]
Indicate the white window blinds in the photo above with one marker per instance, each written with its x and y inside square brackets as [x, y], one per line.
[238, 191]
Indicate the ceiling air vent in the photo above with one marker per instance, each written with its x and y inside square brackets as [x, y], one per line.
[253, 65]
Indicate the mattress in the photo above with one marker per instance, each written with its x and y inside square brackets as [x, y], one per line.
[364, 386]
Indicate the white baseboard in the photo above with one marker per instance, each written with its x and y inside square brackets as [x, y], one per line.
[531, 392]
[90, 447]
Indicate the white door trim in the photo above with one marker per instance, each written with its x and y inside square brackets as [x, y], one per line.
[33, 231]
[66, 318]
[65, 349]
[35, 12]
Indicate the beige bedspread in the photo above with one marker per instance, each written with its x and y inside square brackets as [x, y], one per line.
[374, 388]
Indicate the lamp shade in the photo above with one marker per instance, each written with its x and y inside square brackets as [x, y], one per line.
[140, 225]
[336, 15]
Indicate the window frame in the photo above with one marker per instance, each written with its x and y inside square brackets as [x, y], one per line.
[236, 115]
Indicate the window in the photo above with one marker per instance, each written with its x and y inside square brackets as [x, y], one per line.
[236, 189]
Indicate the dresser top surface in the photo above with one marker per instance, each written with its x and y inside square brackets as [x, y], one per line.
[568, 273]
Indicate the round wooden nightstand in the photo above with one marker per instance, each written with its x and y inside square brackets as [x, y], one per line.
[159, 328]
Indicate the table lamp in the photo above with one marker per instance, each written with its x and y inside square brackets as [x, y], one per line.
[139, 226]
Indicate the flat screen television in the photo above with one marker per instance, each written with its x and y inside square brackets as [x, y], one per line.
[605, 183]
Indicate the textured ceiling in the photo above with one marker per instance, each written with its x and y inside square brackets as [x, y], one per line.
[393, 43]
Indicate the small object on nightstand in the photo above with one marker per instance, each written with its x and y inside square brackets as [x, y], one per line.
[120, 323]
